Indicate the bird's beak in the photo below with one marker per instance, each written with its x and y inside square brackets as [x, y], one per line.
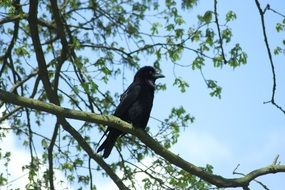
[157, 76]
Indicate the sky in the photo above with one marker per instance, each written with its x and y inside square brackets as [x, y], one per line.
[236, 129]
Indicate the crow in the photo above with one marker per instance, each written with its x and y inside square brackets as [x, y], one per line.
[134, 107]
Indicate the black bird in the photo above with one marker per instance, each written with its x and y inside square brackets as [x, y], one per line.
[135, 106]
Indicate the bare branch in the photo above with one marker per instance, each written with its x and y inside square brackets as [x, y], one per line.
[60, 32]
[90, 173]
[275, 159]
[219, 31]
[261, 13]
[4, 117]
[273, 10]
[43, 73]
[50, 156]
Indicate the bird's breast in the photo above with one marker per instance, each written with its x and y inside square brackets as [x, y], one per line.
[140, 111]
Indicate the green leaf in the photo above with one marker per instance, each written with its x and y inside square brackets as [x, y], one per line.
[179, 33]
[6, 3]
[179, 20]
[44, 143]
[188, 4]
[279, 27]
[206, 18]
[277, 50]
[22, 51]
[216, 90]
[230, 16]
[196, 36]
[198, 63]
[67, 166]
[170, 27]
[3, 180]
[209, 36]
[132, 29]
[154, 27]
[227, 35]
[83, 179]
[218, 61]
[238, 56]
[182, 84]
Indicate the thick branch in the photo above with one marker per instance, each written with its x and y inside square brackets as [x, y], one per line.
[219, 181]
[60, 32]
[43, 73]
[59, 24]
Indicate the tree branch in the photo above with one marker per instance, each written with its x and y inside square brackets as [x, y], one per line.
[43, 72]
[261, 12]
[115, 122]
[219, 31]
[50, 155]
[60, 32]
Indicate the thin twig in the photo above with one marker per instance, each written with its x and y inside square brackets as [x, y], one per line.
[273, 10]
[261, 13]
[219, 31]
[90, 173]
[50, 155]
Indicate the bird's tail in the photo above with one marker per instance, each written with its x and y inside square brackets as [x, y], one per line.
[108, 143]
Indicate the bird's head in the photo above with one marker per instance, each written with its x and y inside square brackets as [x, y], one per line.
[147, 74]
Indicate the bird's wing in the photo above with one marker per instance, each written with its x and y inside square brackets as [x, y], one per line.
[127, 99]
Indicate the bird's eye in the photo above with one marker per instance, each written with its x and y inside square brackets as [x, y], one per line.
[150, 72]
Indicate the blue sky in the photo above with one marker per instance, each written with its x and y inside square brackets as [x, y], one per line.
[238, 128]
